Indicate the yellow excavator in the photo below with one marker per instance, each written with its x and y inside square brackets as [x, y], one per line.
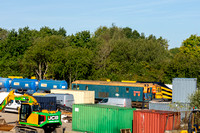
[31, 118]
[194, 121]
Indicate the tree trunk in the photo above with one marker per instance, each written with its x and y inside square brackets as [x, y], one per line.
[39, 71]
[46, 66]
[70, 80]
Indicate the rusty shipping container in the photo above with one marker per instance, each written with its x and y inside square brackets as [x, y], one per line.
[155, 121]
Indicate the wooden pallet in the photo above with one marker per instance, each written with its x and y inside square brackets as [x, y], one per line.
[125, 130]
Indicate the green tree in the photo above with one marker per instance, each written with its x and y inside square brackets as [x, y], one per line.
[128, 32]
[140, 59]
[38, 58]
[71, 63]
[185, 63]
[3, 34]
[195, 99]
[46, 31]
[173, 52]
[120, 54]
[82, 39]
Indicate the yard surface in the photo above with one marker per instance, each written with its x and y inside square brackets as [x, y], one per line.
[11, 119]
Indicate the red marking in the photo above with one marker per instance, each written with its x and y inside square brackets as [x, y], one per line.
[136, 92]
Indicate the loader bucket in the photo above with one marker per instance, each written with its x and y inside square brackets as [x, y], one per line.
[2, 121]
[4, 126]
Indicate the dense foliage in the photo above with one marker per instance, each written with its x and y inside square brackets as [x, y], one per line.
[195, 99]
[109, 53]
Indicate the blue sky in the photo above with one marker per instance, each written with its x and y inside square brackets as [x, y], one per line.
[174, 20]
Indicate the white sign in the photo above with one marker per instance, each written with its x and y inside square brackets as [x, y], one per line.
[76, 109]
[116, 94]
[43, 85]
[54, 86]
[26, 85]
[16, 83]
[52, 117]
[1, 83]
[63, 87]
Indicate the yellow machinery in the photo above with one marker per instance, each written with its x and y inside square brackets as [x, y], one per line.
[194, 121]
[31, 117]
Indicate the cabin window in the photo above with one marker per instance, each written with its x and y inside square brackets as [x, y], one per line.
[18, 102]
[11, 102]
[86, 88]
[77, 87]
[127, 90]
[117, 89]
[158, 89]
[104, 100]
[74, 87]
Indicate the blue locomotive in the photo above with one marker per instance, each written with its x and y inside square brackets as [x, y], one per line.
[135, 91]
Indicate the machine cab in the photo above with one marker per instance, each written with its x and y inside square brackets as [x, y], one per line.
[26, 110]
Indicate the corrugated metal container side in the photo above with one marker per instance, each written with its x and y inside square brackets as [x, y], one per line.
[45, 102]
[101, 118]
[5, 84]
[63, 100]
[80, 96]
[168, 106]
[183, 88]
[155, 121]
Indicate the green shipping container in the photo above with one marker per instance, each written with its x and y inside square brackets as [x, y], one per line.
[101, 118]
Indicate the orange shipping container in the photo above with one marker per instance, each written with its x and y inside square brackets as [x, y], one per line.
[155, 121]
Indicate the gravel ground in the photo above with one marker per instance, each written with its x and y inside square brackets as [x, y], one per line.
[11, 118]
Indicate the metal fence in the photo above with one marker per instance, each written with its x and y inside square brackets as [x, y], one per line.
[184, 108]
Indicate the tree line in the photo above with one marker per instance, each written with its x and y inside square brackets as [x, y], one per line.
[109, 53]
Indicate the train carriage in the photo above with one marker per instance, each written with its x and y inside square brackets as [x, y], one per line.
[131, 90]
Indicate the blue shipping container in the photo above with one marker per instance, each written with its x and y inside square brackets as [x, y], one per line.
[47, 85]
[5, 84]
[47, 102]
